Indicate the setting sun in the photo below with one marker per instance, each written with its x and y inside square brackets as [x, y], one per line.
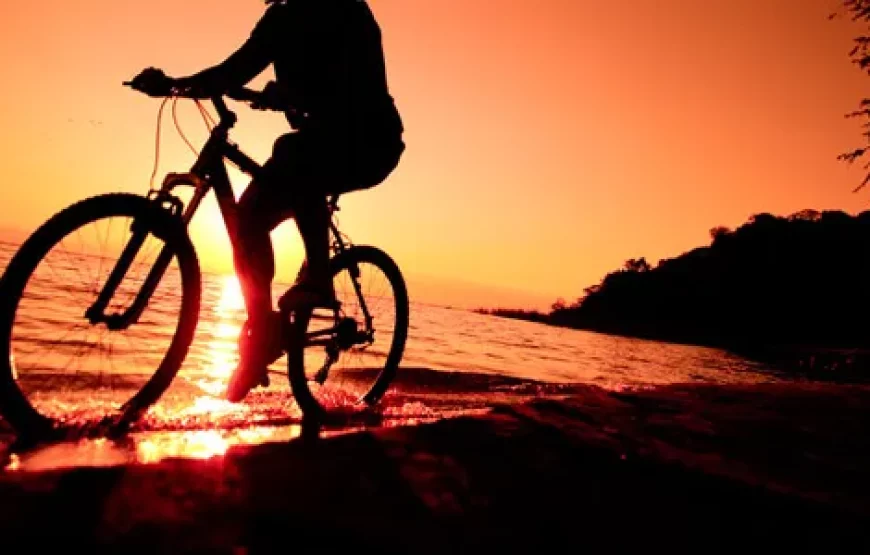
[593, 282]
[543, 137]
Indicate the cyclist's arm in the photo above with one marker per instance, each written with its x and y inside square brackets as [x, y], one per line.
[245, 63]
[237, 70]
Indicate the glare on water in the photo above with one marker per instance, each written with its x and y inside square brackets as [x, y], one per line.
[455, 362]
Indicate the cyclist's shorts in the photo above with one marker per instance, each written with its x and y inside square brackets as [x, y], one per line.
[328, 165]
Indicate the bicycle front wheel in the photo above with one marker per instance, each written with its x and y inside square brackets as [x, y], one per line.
[61, 362]
[346, 358]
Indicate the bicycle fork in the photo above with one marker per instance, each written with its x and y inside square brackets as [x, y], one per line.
[96, 313]
[115, 322]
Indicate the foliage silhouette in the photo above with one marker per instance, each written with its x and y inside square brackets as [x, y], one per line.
[799, 280]
[859, 12]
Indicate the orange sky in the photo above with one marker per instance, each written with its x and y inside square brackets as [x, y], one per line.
[548, 140]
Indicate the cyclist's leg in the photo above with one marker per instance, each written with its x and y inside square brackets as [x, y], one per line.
[324, 165]
[315, 174]
[293, 184]
[312, 220]
[261, 209]
[289, 185]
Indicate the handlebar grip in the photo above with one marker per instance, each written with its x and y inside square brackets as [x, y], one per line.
[244, 94]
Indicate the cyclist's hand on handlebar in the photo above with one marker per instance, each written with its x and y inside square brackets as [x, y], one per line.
[272, 97]
[153, 82]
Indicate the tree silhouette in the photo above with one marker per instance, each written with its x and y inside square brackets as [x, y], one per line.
[719, 232]
[859, 11]
[797, 280]
[637, 265]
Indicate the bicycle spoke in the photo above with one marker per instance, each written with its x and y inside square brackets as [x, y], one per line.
[58, 354]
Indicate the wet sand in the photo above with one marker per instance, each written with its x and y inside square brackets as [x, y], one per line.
[681, 468]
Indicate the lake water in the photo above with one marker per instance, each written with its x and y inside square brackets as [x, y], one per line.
[456, 362]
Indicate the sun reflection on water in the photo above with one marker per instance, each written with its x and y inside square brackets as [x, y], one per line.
[144, 448]
[200, 444]
[229, 313]
[193, 420]
[207, 411]
[14, 463]
[222, 348]
[205, 444]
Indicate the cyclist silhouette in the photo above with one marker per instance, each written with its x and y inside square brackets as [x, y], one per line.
[330, 76]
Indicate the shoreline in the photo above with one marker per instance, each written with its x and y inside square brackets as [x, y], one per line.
[728, 466]
[847, 364]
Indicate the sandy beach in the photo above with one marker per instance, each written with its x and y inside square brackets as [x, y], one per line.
[682, 468]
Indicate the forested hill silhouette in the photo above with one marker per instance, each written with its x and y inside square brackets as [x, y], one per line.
[801, 280]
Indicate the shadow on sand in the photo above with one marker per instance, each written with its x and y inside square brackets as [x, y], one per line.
[687, 468]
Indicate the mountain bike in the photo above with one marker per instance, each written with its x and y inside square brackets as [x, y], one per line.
[83, 286]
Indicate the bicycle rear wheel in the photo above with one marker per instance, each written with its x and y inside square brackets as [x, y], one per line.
[57, 365]
[347, 358]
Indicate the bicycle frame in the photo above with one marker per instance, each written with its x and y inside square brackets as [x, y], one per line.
[207, 173]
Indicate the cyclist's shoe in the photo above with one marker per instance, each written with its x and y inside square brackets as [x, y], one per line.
[258, 349]
[307, 293]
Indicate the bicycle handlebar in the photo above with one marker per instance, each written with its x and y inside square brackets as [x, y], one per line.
[241, 94]
[244, 94]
